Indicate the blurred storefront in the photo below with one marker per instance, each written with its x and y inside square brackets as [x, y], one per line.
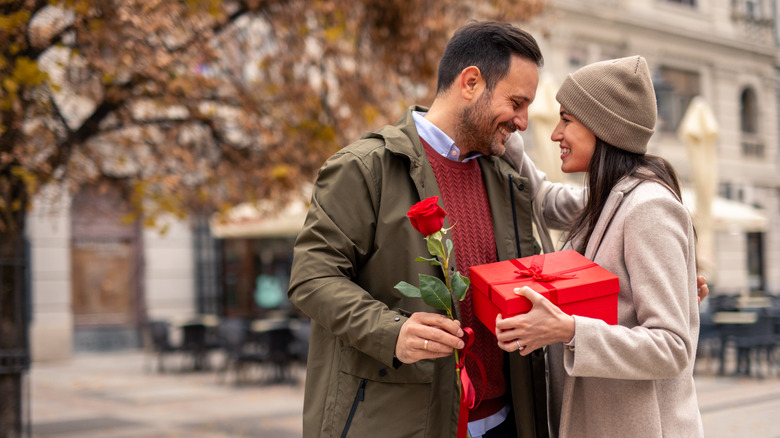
[97, 279]
[255, 243]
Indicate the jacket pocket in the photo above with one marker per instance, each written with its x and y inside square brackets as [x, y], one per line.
[367, 408]
[376, 400]
[358, 398]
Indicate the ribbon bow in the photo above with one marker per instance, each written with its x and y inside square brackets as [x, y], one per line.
[535, 271]
[468, 399]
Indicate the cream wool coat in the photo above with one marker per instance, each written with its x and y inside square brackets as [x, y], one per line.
[634, 379]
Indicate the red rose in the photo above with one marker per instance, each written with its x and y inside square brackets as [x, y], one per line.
[426, 216]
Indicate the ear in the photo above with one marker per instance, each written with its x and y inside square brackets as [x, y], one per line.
[471, 83]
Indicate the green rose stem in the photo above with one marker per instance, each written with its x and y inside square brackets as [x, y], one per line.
[436, 293]
[448, 282]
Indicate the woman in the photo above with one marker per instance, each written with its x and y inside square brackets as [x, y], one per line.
[634, 379]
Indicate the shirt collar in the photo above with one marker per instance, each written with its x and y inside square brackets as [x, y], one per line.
[437, 139]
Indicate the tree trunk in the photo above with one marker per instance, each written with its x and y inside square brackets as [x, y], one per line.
[14, 309]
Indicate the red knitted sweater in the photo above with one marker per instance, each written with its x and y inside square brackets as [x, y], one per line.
[466, 202]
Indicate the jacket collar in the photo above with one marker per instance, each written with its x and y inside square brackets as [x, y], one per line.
[403, 138]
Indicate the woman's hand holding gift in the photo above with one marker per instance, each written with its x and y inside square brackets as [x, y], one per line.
[544, 324]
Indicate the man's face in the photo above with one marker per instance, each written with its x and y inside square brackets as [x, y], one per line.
[485, 125]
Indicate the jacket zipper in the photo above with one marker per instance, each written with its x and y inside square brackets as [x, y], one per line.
[514, 215]
[358, 398]
[512, 188]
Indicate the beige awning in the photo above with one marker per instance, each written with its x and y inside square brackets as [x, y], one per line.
[261, 219]
[731, 216]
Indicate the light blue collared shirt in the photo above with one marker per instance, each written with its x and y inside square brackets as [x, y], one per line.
[437, 139]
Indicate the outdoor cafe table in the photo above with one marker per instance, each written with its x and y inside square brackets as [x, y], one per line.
[275, 335]
[731, 323]
[195, 337]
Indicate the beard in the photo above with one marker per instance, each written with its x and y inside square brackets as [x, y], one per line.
[477, 131]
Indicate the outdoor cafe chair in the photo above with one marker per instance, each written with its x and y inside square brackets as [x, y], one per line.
[194, 344]
[234, 338]
[160, 342]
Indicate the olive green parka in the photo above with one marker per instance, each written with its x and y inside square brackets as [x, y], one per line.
[355, 246]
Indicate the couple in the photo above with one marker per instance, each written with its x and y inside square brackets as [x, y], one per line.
[380, 364]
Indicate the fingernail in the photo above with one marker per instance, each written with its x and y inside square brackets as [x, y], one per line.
[517, 291]
[460, 333]
[461, 345]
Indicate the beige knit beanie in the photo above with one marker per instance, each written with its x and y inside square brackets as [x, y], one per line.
[615, 100]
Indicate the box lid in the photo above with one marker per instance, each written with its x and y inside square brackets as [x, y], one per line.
[562, 277]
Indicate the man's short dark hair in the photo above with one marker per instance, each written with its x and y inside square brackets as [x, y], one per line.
[488, 45]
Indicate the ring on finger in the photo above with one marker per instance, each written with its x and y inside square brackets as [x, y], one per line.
[425, 345]
[519, 347]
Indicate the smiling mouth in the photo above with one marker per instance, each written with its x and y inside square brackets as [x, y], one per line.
[504, 132]
[565, 151]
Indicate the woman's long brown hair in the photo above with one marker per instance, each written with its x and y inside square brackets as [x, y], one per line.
[606, 168]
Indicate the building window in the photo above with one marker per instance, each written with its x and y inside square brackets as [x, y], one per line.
[208, 282]
[755, 252]
[674, 90]
[578, 56]
[748, 111]
[752, 146]
[750, 9]
[754, 18]
[725, 190]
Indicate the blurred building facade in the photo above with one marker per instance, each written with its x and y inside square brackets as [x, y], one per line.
[727, 53]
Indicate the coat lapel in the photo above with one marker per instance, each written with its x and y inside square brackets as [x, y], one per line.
[621, 189]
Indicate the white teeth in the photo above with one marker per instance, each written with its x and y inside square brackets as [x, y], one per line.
[565, 150]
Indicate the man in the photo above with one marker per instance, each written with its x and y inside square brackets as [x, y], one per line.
[381, 364]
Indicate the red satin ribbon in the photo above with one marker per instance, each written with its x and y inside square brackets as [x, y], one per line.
[468, 396]
[536, 270]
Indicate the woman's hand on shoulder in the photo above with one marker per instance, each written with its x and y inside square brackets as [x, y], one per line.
[702, 290]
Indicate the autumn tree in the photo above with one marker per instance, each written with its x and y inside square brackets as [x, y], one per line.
[197, 105]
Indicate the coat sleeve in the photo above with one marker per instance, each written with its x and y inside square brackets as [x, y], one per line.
[555, 205]
[660, 269]
[337, 236]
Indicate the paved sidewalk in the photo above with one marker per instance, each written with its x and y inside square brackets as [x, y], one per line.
[118, 395]
[121, 395]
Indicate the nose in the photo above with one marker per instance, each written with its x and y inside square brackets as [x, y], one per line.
[557, 134]
[521, 121]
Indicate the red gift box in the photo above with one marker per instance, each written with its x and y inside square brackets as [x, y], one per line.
[576, 285]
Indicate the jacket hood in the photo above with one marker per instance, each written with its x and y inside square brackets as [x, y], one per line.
[402, 138]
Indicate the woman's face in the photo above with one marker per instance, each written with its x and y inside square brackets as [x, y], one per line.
[576, 141]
